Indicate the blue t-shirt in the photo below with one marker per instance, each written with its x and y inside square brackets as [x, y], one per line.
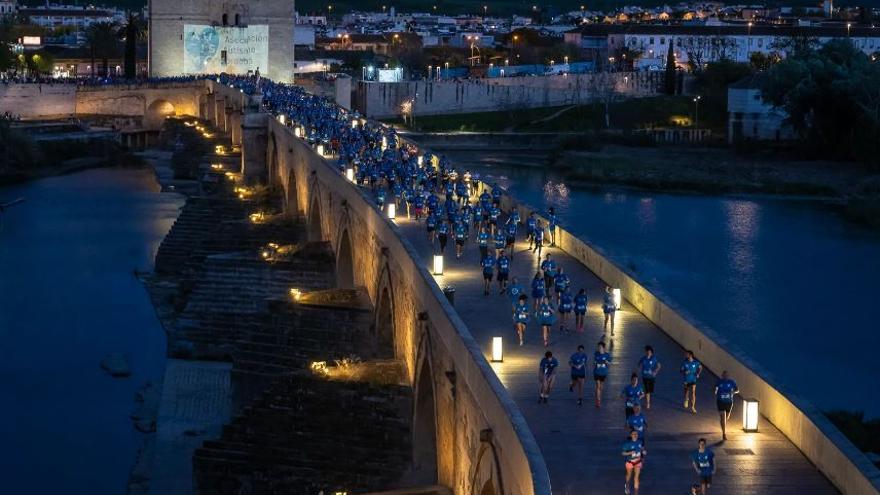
[511, 229]
[503, 264]
[521, 313]
[690, 369]
[548, 266]
[460, 232]
[648, 366]
[705, 461]
[545, 313]
[601, 360]
[633, 449]
[548, 366]
[500, 241]
[633, 395]
[565, 302]
[488, 265]
[638, 423]
[561, 281]
[537, 288]
[514, 291]
[725, 390]
[578, 363]
[483, 238]
[580, 303]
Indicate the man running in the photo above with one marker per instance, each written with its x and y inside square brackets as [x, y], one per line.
[725, 389]
[488, 265]
[578, 363]
[601, 362]
[510, 239]
[632, 395]
[514, 291]
[503, 264]
[580, 309]
[634, 452]
[521, 317]
[547, 375]
[650, 367]
[548, 266]
[609, 308]
[547, 318]
[483, 242]
[691, 369]
[565, 304]
[442, 234]
[703, 460]
[538, 291]
[460, 238]
[539, 238]
[531, 225]
[638, 422]
[561, 282]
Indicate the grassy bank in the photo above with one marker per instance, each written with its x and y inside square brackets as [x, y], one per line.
[623, 115]
[865, 434]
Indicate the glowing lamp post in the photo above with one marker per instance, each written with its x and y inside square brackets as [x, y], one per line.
[750, 415]
[281, 119]
[349, 174]
[618, 298]
[438, 264]
[497, 350]
[420, 160]
[392, 211]
[297, 132]
[321, 149]
[354, 124]
[384, 143]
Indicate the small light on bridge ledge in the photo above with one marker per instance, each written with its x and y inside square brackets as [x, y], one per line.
[281, 118]
[420, 160]
[321, 149]
[217, 166]
[438, 264]
[392, 211]
[497, 350]
[618, 298]
[354, 124]
[296, 294]
[258, 217]
[384, 143]
[349, 174]
[750, 415]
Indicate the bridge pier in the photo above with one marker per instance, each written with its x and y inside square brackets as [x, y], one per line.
[254, 142]
[235, 121]
[219, 112]
[210, 107]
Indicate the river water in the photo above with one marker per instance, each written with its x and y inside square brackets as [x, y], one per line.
[68, 297]
[791, 282]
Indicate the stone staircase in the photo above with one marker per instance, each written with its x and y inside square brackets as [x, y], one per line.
[308, 433]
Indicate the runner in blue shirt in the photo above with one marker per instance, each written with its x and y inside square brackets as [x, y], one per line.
[703, 460]
[510, 239]
[725, 390]
[483, 242]
[538, 291]
[503, 264]
[521, 317]
[548, 266]
[695, 489]
[638, 422]
[514, 291]
[431, 225]
[691, 369]
[551, 227]
[601, 362]
[650, 367]
[566, 304]
[539, 238]
[488, 265]
[500, 241]
[560, 283]
[580, 309]
[547, 317]
[634, 452]
[531, 225]
[609, 308]
[442, 234]
[632, 394]
[547, 375]
[578, 363]
[460, 238]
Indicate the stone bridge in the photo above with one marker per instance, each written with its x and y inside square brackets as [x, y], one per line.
[467, 432]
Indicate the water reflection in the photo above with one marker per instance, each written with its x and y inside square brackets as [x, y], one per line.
[742, 224]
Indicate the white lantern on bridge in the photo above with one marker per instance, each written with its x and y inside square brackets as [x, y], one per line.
[349, 174]
[497, 350]
[392, 211]
[618, 298]
[750, 415]
[321, 149]
[438, 264]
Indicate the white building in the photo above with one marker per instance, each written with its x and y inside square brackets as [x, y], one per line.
[750, 118]
[8, 7]
[703, 43]
[54, 16]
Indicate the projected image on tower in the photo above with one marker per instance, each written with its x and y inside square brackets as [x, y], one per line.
[234, 50]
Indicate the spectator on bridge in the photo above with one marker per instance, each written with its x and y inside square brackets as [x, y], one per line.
[725, 389]
[547, 375]
[691, 369]
[649, 367]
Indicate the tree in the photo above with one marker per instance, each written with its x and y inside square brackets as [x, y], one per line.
[760, 61]
[132, 32]
[669, 80]
[832, 97]
[102, 40]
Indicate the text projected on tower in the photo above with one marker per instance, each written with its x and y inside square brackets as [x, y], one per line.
[229, 49]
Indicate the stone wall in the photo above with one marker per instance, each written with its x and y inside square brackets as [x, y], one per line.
[383, 100]
[468, 433]
[33, 101]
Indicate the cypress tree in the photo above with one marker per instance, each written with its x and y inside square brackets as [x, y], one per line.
[669, 82]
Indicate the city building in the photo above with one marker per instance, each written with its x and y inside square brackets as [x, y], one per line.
[8, 7]
[60, 16]
[214, 36]
[750, 118]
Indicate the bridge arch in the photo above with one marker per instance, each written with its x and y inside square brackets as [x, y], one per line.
[316, 231]
[344, 262]
[156, 112]
[487, 472]
[384, 327]
[272, 160]
[424, 433]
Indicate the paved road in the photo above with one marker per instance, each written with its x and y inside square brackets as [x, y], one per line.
[581, 445]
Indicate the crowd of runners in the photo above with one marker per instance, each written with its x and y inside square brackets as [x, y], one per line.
[459, 213]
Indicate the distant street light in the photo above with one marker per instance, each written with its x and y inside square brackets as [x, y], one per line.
[848, 28]
[697, 110]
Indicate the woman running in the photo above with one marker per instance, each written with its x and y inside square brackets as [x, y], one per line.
[538, 291]
[703, 460]
[514, 291]
[601, 362]
[578, 363]
[521, 317]
[580, 309]
[547, 375]
[609, 308]
[442, 234]
[691, 369]
[547, 318]
[632, 395]
[566, 304]
[634, 452]
[725, 389]
[650, 367]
